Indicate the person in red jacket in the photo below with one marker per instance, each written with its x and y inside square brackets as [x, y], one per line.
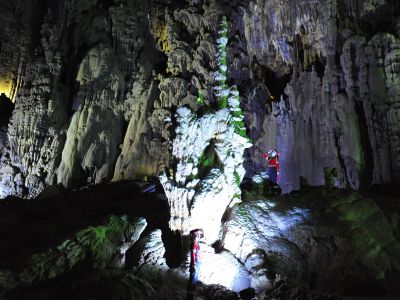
[195, 262]
[272, 157]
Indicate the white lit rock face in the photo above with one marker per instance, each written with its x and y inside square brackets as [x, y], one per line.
[108, 91]
[216, 268]
[95, 129]
[201, 202]
[341, 237]
[7, 183]
[222, 268]
[149, 258]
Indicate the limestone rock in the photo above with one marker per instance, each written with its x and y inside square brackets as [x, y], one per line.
[222, 269]
[287, 239]
[148, 257]
[318, 82]
[191, 194]
[322, 110]
[105, 245]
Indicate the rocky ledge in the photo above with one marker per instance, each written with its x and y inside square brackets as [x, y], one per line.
[114, 241]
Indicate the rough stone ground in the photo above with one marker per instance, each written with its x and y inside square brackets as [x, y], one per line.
[326, 238]
[94, 243]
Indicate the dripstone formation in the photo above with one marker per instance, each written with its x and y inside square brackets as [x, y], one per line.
[190, 94]
[95, 84]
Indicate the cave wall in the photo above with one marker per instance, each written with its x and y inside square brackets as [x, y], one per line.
[323, 88]
[96, 86]
[87, 81]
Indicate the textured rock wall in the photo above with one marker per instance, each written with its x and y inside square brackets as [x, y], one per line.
[96, 82]
[18, 27]
[343, 239]
[322, 88]
[86, 77]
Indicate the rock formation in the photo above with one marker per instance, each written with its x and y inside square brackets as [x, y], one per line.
[318, 82]
[286, 237]
[337, 91]
[190, 94]
[96, 239]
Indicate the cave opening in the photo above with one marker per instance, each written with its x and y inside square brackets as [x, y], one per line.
[209, 160]
[276, 84]
[275, 81]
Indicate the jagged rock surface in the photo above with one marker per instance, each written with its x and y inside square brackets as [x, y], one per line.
[9, 182]
[105, 245]
[97, 85]
[318, 83]
[92, 63]
[317, 246]
[66, 242]
[148, 259]
[321, 87]
[190, 193]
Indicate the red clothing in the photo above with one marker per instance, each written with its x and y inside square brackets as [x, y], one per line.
[196, 252]
[273, 166]
[274, 162]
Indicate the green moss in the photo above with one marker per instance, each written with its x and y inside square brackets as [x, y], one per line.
[368, 232]
[208, 160]
[237, 178]
[7, 280]
[201, 99]
[364, 235]
[224, 27]
[330, 175]
[224, 61]
[99, 243]
[223, 102]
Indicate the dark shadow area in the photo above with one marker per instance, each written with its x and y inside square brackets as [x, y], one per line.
[57, 214]
[381, 19]
[276, 85]
[319, 66]
[83, 284]
[40, 12]
[175, 249]
[106, 3]
[6, 109]
[368, 167]
[371, 288]
[61, 287]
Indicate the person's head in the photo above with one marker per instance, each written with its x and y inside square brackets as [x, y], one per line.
[196, 234]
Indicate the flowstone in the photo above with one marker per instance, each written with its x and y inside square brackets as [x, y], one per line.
[198, 196]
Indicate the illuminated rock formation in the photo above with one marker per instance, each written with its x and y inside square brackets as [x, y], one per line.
[190, 94]
[286, 237]
[333, 92]
[321, 91]
[209, 169]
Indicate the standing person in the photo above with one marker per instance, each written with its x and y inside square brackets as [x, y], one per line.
[195, 263]
[272, 158]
